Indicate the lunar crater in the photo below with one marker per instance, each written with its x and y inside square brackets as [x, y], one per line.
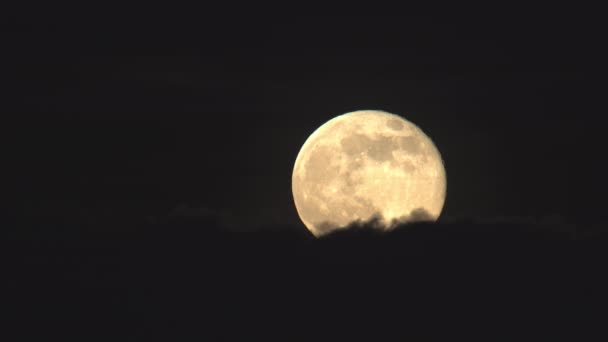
[394, 124]
[378, 148]
[410, 144]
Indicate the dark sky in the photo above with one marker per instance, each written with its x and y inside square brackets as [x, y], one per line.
[126, 118]
[113, 118]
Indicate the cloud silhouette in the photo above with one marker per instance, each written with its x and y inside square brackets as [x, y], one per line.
[377, 223]
[171, 275]
[417, 215]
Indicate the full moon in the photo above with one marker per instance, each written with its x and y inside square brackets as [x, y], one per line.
[367, 164]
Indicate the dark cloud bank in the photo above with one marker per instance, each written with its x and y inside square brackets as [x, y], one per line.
[188, 278]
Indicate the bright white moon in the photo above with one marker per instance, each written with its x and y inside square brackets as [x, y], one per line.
[364, 164]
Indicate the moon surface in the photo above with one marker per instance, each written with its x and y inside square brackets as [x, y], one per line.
[367, 164]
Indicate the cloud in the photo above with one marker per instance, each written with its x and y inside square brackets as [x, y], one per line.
[376, 223]
[417, 215]
[172, 270]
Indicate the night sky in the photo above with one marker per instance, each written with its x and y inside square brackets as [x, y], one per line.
[136, 118]
[117, 121]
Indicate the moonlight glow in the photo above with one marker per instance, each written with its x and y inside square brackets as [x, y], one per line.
[367, 163]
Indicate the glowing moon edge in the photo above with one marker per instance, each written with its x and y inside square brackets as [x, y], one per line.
[367, 164]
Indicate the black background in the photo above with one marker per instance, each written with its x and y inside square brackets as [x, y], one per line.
[117, 122]
[212, 113]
